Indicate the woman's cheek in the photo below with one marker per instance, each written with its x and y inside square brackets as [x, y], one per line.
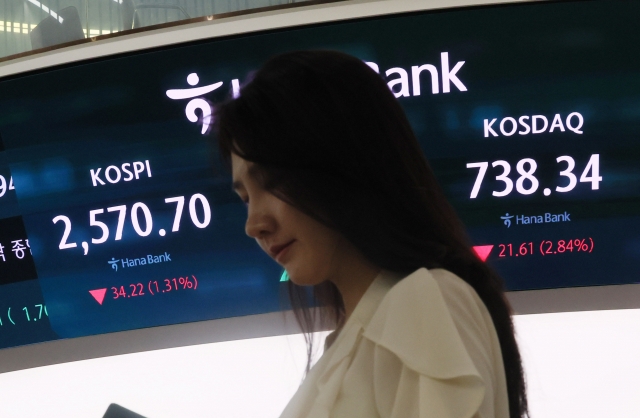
[307, 271]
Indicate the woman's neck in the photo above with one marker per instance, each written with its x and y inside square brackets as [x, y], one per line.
[353, 280]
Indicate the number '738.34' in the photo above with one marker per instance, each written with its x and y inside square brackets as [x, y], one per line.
[527, 167]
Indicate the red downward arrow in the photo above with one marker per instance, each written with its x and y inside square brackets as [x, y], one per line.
[98, 294]
[483, 251]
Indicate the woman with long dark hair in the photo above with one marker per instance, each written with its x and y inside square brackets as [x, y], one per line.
[340, 194]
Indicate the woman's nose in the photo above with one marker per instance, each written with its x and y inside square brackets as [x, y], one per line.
[258, 224]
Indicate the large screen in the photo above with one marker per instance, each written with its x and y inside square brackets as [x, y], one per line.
[116, 212]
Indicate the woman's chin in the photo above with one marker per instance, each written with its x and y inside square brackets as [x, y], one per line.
[302, 279]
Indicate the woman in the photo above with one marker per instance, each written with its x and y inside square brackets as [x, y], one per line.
[339, 193]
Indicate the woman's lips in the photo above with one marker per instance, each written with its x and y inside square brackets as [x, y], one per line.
[281, 251]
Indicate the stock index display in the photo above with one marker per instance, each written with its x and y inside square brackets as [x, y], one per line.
[116, 212]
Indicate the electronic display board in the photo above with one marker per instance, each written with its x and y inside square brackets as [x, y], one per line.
[116, 212]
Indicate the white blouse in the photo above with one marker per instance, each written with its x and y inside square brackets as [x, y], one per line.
[424, 346]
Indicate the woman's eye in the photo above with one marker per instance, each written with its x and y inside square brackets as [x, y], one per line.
[244, 200]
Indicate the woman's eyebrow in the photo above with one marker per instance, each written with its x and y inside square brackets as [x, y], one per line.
[252, 171]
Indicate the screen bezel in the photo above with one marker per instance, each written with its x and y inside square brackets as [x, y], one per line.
[236, 25]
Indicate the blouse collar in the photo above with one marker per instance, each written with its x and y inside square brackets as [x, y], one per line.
[367, 305]
[371, 299]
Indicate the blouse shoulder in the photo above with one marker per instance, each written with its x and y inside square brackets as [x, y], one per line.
[414, 322]
[470, 314]
[437, 327]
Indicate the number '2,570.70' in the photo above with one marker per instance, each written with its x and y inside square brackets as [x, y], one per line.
[138, 210]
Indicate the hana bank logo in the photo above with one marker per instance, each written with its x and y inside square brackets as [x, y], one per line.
[197, 102]
[545, 218]
[507, 219]
[114, 263]
[403, 82]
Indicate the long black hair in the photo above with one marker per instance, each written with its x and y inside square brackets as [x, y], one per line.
[330, 139]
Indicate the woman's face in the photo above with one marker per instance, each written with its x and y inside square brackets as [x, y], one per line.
[309, 251]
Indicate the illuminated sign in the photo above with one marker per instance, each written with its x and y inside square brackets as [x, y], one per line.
[117, 214]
